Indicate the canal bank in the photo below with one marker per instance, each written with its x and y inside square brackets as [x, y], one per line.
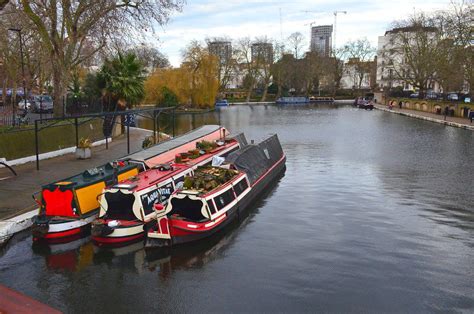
[450, 121]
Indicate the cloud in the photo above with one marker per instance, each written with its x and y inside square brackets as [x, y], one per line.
[236, 18]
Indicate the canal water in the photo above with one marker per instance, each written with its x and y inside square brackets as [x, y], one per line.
[373, 214]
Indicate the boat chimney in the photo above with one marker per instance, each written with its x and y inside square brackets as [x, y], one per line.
[252, 142]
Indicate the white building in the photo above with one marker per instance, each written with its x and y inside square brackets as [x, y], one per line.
[391, 62]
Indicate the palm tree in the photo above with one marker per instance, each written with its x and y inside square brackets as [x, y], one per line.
[121, 80]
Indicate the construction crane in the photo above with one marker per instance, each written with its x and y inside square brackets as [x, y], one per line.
[335, 25]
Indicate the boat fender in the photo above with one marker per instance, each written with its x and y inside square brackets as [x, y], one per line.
[99, 230]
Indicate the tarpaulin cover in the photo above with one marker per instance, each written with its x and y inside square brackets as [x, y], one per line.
[240, 138]
[255, 160]
[160, 148]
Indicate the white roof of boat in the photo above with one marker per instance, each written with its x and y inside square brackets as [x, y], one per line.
[163, 147]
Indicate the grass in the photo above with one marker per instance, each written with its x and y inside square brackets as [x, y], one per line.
[21, 143]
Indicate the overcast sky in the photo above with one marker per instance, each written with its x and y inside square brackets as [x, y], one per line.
[237, 18]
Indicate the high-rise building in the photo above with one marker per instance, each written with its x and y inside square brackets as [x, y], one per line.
[262, 51]
[222, 49]
[321, 39]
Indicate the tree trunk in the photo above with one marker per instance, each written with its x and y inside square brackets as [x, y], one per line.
[278, 95]
[265, 91]
[58, 91]
[249, 91]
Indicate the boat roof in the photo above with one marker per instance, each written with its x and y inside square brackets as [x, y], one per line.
[152, 176]
[168, 145]
[93, 175]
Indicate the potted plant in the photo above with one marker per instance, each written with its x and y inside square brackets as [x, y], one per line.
[83, 149]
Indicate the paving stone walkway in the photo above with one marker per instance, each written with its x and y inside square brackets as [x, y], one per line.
[452, 121]
[15, 193]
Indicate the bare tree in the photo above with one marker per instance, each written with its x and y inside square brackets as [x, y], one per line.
[295, 41]
[360, 53]
[67, 27]
[221, 47]
[244, 58]
[414, 52]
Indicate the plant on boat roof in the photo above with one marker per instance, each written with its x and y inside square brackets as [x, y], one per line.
[84, 143]
[208, 178]
[206, 145]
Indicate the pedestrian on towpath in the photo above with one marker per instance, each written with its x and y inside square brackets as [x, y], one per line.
[446, 111]
[400, 104]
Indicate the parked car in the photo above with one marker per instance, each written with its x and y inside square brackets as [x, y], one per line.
[432, 95]
[452, 96]
[43, 103]
[24, 104]
[415, 95]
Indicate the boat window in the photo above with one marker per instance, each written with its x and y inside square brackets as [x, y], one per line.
[212, 208]
[187, 208]
[224, 199]
[240, 187]
[119, 206]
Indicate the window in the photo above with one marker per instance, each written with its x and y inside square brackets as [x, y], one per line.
[211, 206]
[224, 199]
[240, 187]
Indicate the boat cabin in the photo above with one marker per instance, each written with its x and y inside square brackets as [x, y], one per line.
[76, 196]
[207, 195]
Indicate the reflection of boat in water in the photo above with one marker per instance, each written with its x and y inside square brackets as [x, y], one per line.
[68, 206]
[71, 256]
[214, 196]
[129, 207]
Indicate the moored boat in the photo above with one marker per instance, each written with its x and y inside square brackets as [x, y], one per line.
[292, 100]
[68, 206]
[215, 196]
[128, 208]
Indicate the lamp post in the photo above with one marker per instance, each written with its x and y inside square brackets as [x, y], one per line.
[22, 70]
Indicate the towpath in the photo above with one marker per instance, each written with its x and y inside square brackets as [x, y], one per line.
[452, 121]
[15, 192]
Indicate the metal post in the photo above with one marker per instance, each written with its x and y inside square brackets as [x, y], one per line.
[37, 145]
[193, 121]
[154, 127]
[128, 137]
[173, 122]
[106, 142]
[77, 131]
[158, 125]
[219, 115]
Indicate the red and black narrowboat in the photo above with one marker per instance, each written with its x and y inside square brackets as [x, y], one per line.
[215, 196]
[128, 209]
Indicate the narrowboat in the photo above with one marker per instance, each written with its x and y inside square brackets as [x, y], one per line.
[215, 196]
[292, 100]
[128, 208]
[67, 207]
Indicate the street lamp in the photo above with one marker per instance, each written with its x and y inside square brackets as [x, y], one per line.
[22, 70]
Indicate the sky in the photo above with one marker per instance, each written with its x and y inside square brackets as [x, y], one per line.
[201, 19]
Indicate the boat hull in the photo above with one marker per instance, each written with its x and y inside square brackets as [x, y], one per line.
[125, 233]
[61, 229]
[180, 236]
